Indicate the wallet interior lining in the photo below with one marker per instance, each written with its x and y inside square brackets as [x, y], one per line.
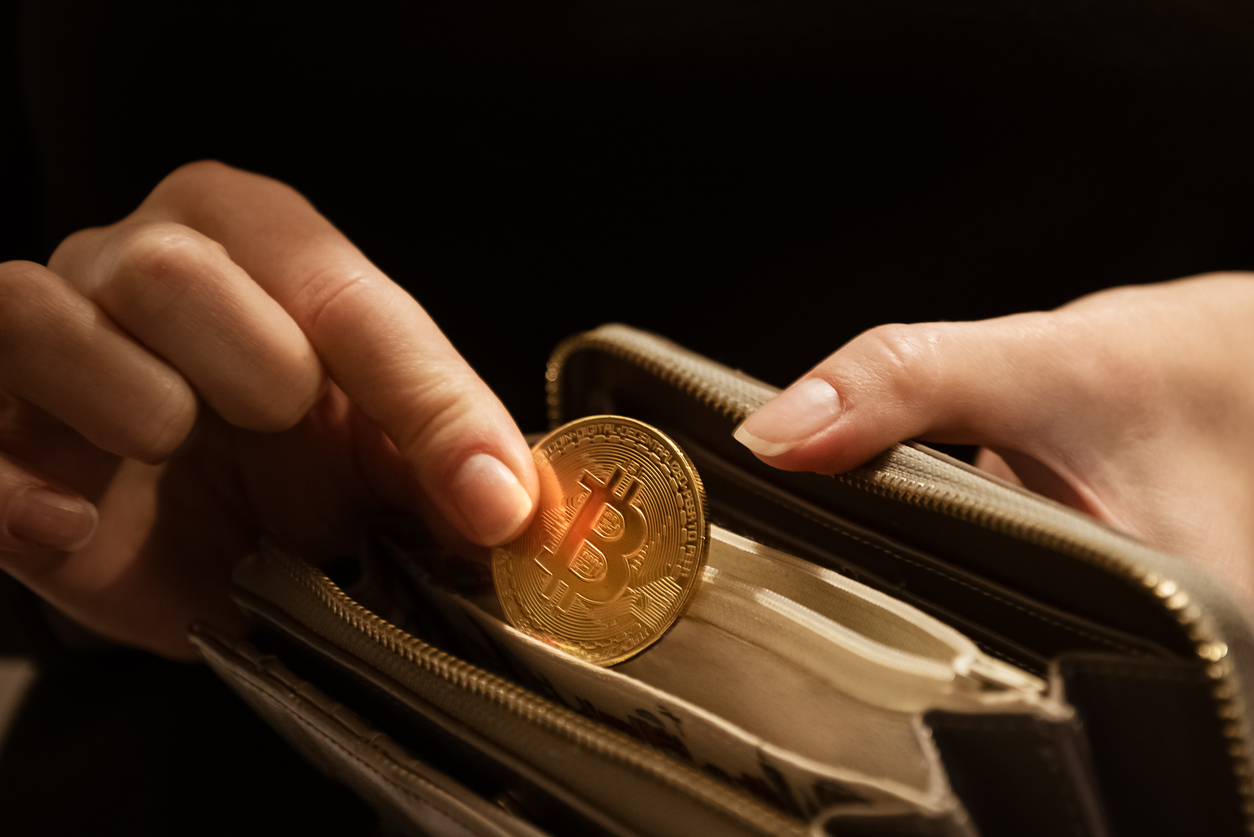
[879, 750]
[725, 657]
[1006, 624]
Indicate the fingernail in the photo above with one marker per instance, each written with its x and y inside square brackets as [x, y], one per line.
[491, 498]
[790, 418]
[58, 521]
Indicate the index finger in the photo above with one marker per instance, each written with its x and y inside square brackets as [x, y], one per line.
[376, 342]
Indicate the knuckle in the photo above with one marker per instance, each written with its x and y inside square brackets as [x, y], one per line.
[186, 185]
[160, 250]
[193, 174]
[21, 271]
[192, 184]
[903, 359]
[157, 265]
[69, 253]
[326, 293]
[448, 417]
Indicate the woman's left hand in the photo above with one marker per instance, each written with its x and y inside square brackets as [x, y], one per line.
[1134, 405]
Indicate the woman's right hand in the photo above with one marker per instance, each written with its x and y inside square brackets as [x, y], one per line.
[219, 366]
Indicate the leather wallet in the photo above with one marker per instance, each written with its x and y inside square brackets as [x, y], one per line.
[958, 656]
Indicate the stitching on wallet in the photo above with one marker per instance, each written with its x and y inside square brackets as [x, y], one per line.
[456, 816]
[1111, 643]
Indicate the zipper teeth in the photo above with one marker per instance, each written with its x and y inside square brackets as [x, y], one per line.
[664, 359]
[531, 708]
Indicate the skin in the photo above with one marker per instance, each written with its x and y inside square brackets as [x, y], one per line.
[219, 366]
[1134, 405]
[223, 365]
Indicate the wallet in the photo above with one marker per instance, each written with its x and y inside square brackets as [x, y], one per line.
[908, 648]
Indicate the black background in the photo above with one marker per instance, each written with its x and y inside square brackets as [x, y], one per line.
[759, 180]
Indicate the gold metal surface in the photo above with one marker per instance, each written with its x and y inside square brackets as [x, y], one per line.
[616, 547]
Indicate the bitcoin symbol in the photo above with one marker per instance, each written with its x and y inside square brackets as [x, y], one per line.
[590, 561]
[616, 550]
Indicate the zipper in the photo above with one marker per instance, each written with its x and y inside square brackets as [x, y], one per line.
[904, 477]
[313, 600]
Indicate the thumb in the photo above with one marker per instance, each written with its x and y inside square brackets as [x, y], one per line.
[994, 383]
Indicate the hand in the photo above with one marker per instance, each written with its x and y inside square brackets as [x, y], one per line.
[313, 388]
[1134, 405]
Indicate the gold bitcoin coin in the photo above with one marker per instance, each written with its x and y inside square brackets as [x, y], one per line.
[617, 544]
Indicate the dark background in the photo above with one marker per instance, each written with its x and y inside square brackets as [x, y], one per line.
[757, 179]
